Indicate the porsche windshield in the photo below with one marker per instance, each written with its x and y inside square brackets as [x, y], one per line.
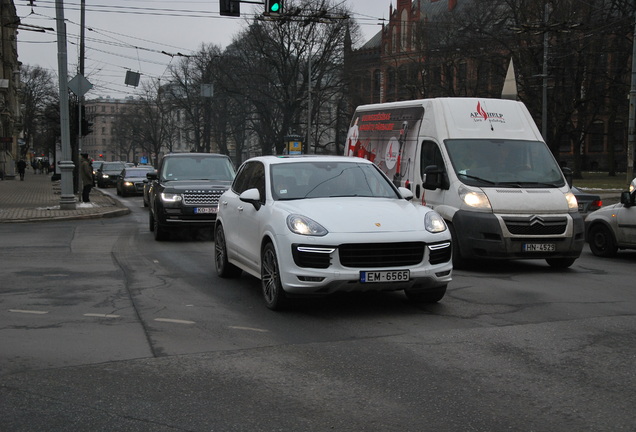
[328, 179]
[504, 163]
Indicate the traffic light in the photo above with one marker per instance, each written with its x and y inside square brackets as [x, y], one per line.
[273, 7]
[230, 8]
[87, 127]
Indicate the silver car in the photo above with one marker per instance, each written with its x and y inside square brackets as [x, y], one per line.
[613, 227]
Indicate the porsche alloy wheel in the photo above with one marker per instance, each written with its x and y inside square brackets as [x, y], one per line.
[273, 291]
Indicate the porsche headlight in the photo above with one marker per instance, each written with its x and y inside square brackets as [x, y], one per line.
[170, 197]
[303, 225]
[474, 199]
[434, 223]
[573, 204]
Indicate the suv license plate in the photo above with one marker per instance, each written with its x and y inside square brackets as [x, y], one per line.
[384, 276]
[539, 247]
[198, 210]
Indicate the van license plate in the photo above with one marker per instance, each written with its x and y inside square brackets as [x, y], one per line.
[384, 276]
[199, 210]
[539, 247]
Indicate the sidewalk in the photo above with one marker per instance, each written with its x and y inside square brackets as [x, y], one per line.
[37, 199]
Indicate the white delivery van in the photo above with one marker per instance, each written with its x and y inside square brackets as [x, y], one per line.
[483, 165]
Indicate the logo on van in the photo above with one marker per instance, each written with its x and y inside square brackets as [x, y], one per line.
[482, 115]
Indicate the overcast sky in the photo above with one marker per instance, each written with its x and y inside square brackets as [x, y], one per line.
[124, 35]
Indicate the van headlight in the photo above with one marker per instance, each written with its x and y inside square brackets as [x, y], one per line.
[474, 199]
[573, 204]
[303, 225]
[434, 223]
[170, 197]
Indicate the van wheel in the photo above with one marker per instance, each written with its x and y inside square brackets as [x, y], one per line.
[428, 296]
[459, 261]
[560, 263]
[602, 241]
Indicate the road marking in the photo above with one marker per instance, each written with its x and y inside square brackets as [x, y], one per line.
[249, 329]
[28, 311]
[176, 321]
[101, 315]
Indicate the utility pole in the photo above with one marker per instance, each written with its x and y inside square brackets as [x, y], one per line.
[67, 197]
[80, 97]
[632, 109]
[544, 103]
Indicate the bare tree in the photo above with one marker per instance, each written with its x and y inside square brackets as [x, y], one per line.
[273, 64]
[41, 119]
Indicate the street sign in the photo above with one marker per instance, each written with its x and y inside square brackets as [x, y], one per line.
[79, 85]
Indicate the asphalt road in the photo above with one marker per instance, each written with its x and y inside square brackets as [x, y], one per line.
[104, 329]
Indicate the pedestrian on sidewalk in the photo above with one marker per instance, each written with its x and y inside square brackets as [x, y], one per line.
[21, 168]
[86, 175]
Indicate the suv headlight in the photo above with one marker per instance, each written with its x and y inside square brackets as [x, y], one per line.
[434, 223]
[303, 225]
[171, 197]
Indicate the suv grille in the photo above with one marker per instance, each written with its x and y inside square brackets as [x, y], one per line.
[202, 198]
[536, 225]
[375, 255]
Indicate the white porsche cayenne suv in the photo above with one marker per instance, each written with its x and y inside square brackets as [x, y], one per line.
[314, 225]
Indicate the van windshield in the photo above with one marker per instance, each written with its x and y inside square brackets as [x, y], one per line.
[480, 162]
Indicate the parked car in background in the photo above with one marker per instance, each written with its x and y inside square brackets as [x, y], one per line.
[131, 181]
[315, 225]
[185, 191]
[108, 174]
[613, 227]
[587, 202]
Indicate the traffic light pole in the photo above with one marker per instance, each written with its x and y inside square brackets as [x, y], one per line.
[67, 197]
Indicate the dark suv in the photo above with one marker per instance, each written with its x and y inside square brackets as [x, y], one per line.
[185, 191]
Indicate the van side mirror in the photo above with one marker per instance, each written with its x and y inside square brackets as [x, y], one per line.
[567, 172]
[434, 178]
[627, 199]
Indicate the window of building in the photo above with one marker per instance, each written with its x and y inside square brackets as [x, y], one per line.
[405, 27]
[377, 86]
[619, 134]
[390, 85]
[462, 78]
[565, 144]
[394, 40]
[596, 138]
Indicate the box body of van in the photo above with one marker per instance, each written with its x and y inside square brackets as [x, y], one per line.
[483, 165]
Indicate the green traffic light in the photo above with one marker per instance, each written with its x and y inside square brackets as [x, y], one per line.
[274, 7]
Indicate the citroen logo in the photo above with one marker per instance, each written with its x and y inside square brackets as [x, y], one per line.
[536, 220]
